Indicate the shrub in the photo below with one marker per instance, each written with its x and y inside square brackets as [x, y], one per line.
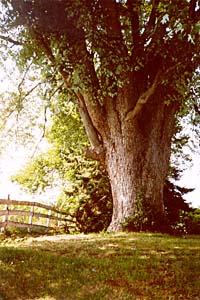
[191, 220]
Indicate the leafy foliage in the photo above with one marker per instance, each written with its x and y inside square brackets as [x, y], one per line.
[189, 222]
[92, 53]
[67, 138]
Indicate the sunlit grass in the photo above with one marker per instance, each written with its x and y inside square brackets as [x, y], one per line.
[94, 267]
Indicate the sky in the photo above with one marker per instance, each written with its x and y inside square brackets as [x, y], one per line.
[11, 162]
[191, 179]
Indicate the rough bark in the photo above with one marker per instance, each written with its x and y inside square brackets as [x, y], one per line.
[137, 159]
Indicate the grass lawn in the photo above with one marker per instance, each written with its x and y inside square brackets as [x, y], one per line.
[122, 266]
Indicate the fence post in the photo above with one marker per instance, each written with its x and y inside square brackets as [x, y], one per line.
[5, 218]
[58, 216]
[48, 219]
[30, 220]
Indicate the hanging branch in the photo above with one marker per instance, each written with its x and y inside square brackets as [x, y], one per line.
[43, 132]
[23, 78]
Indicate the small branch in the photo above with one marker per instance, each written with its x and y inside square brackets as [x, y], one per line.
[31, 90]
[43, 132]
[10, 40]
[143, 99]
[156, 35]
[23, 79]
[150, 27]
[98, 155]
[55, 91]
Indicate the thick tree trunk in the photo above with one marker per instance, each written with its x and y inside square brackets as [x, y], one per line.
[137, 163]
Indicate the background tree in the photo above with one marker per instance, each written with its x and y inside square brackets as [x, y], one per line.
[124, 62]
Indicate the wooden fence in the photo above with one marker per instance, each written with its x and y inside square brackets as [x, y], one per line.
[34, 215]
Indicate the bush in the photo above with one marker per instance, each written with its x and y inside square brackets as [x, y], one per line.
[144, 219]
[191, 221]
[95, 210]
[89, 199]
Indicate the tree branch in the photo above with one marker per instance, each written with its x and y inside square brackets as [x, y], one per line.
[47, 50]
[143, 98]
[30, 91]
[88, 124]
[91, 112]
[133, 7]
[111, 17]
[10, 40]
[95, 155]
[96, 151]
[23, 78]
[45, 46]
[83, 102]
[157, 36]
[152, 20]
[90, 108]
[43, 132]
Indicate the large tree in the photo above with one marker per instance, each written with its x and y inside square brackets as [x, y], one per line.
[128, 64]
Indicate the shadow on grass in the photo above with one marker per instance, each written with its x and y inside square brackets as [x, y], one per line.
[115, 267]
[32, 274]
